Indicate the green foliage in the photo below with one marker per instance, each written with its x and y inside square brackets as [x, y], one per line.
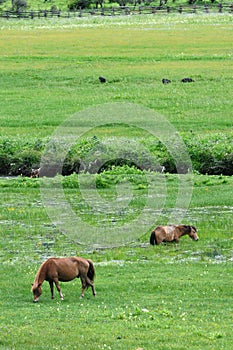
[213, 154]
[209, 155]
[77, 4]
[19, 4]
[18, 157]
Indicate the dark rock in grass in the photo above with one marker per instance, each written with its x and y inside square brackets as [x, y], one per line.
[187, 80]
[166, 81]
[102, 80]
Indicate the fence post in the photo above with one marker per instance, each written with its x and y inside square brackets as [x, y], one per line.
[168, 9]
[32, 14]
[180, 9]
[206, 8]
[220, 8]
[153, 9]
[194, 8]
[80, 12]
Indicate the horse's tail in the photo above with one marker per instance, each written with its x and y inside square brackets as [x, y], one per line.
[91, 270]
[153, 240]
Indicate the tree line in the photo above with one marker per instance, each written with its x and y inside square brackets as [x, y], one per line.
[74, 5]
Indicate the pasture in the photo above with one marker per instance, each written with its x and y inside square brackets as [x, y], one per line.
[172, 296]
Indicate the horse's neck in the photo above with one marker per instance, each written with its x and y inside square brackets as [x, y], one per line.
[40, 276]
[183, 233]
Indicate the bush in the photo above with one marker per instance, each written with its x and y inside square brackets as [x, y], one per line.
[18, 157]
[212, 155]
[74, 5]
[19, 5]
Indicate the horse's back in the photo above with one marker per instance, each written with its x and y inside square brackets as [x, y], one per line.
[165, 229]
[165, 233]
[65, 269]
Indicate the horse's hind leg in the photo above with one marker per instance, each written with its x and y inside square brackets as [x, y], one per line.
[51, 288]
[58, 288]
[84, 285]
[92, 285]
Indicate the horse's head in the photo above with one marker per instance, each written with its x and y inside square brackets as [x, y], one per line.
[193, 233]
[37, 291]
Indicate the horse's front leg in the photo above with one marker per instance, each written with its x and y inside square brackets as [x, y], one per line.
[58, 289]
[51, 288]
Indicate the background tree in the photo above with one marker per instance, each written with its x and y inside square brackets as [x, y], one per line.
[18, 5]
[77, 4]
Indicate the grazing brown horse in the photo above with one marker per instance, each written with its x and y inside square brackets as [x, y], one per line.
[172, 233]
[65, 270]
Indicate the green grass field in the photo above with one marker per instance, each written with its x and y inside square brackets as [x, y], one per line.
[172, 296]
[176, 296]
[50, 71]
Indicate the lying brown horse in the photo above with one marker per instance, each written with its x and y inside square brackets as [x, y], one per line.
[65, 270]
[172, 233]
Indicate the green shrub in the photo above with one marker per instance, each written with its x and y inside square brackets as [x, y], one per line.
[211, 155]
[74, 5]
[19, 4]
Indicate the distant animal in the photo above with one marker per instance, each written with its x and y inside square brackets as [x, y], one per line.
[166, 81]
[172, 233]
[54, 270]
[35, 173]
[187, 80]
[102, 79]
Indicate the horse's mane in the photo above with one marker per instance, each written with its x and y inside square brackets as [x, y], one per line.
[39, 272]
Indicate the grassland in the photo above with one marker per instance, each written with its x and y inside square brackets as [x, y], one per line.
[174, 296]
[53, 68]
